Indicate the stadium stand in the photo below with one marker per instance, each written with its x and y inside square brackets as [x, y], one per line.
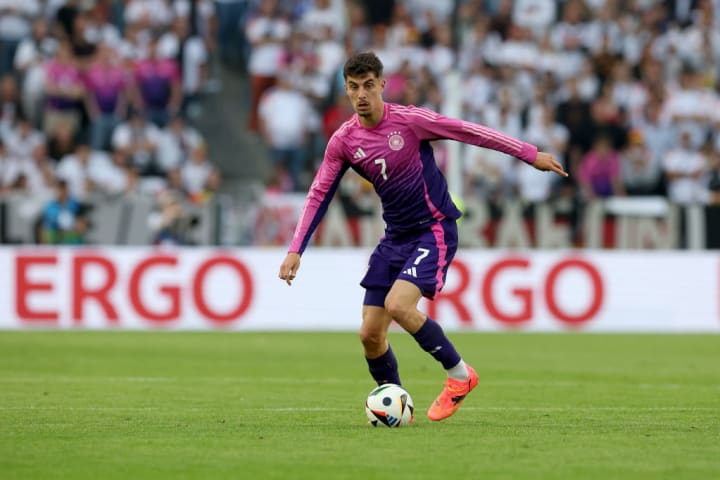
[625, 93]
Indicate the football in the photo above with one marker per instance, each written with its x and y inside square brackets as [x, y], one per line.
[389, 405]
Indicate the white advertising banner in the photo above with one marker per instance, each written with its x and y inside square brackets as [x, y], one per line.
[238, 289]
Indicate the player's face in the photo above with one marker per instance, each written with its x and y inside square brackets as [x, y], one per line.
[365, 93]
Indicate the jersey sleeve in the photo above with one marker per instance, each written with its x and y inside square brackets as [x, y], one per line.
[430, 125]
[323, 187]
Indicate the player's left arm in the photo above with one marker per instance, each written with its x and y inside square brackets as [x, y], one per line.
[430, 125]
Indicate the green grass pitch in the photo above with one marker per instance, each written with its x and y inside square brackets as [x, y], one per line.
[124, 405]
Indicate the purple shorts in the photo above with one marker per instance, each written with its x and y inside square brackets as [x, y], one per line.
[421, 258]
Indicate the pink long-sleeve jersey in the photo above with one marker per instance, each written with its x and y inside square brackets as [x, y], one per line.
[396, 157]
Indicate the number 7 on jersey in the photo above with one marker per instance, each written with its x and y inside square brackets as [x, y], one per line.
[383, 168]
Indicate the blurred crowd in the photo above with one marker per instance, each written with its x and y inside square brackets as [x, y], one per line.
[97, 99]
[626, 94]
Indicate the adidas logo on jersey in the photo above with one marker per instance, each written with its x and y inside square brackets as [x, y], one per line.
[359, 153]
[411, 271]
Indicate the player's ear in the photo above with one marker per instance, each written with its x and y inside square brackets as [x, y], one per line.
[383, 82]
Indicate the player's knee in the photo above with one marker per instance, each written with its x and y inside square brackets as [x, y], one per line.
[397, 309]
[371, 338]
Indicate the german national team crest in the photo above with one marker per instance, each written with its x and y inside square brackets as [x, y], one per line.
[395, 141]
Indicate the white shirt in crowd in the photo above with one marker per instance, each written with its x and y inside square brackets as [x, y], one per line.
[173, 148]
[315, 19]
[205, 10]
[98, 169]
[687, 189]
[195, 55]
[20, 144]
[285, 114]
[195, 175]
[537, 15]
[156, 12]
[266, 56]
[126, 135]
[16, 17]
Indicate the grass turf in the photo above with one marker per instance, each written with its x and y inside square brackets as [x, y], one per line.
[120, 405]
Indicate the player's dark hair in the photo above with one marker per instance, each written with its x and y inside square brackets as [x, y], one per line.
[361, 64]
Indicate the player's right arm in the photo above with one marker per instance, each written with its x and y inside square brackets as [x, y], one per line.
[323, 187]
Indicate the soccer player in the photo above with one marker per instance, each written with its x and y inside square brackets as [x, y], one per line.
[389, 145]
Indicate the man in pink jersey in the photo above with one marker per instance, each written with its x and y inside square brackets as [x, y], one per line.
[389, 145]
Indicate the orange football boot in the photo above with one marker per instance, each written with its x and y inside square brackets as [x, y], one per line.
[452, 396]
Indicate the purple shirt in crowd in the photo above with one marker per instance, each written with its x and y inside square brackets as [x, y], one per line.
[396, 157]
[599, 171]
[154, 79]
[106, 83]
[62, 75]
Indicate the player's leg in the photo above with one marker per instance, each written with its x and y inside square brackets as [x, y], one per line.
[380, 358]
[383, 267]
[424, 275]
[401, 303]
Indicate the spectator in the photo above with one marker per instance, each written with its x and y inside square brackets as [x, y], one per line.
[148, 14]
[138, 139]
[158, 86]
[82, 41]
[34, 176]
[191, 55]
[86, 172]
[199, 18]
[684, 167]
[175, 143]
[107, 100]
[170, 223]
[266, 31]
[64, 219]
[287, 118]
[64, 89]
[15, 18]
[536, 15]
[570, 32]
[122, 178]
[599, 175]
[690, 106]
[22, 139]
[322, 15]
[30, 59]
[550, 137]
[608, 116]
[10, 107]
[100, 29]
[658, 136]
[641, 173]
[574, 114]
[200, 178]
[359, 31]
[62, 142]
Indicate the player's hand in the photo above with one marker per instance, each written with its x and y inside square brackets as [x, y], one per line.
[289, 267]
[547, 163]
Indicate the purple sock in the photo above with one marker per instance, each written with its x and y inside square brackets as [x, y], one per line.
[432, 339]
[384, 369]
